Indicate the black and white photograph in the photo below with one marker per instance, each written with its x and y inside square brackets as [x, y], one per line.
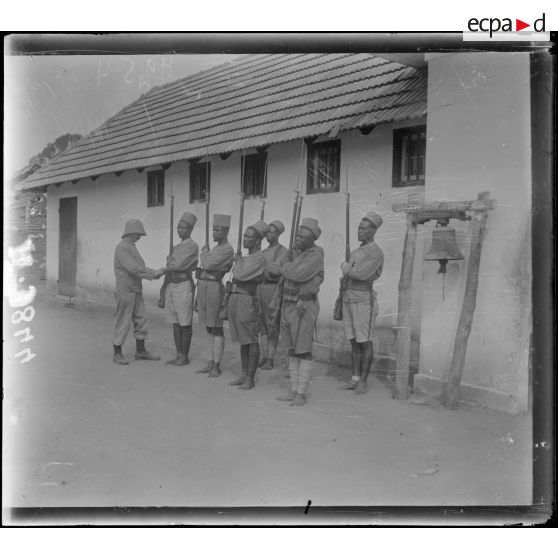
[275, 278]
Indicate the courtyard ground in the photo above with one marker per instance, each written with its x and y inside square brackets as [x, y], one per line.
[82, 431]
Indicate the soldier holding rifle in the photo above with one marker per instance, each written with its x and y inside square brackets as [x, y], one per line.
[302, 278]
[360, 306]
[243, 308]
[214, 264]
[179, 296]
[275, 255]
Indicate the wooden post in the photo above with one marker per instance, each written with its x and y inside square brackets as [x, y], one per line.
[450, 393]
[403, 336]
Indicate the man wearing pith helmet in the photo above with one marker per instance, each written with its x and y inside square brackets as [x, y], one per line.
[360, 303]
[300, 307]
[214, 264]
[275, 255]
[179, 296]
[130, 269]
[243, 308]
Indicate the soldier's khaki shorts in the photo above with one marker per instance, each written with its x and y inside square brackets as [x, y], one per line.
[358, 320]
[297, 332]
[244, 319]
[179, 302]
[209, 297]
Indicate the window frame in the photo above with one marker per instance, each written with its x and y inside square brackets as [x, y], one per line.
[246, 162]
[313, 148]
[155, 188]
[401, 157]
[196, 167]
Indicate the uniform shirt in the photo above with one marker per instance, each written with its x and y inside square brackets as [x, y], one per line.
[305, 273]
[250, 267]
[275, 256]
[184, 256]
[129, 267]
[219, 258]
[366, 264]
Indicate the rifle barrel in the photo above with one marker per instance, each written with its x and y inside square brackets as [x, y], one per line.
[347, 227]
[240, 225]
[293, 221]
[171, 224]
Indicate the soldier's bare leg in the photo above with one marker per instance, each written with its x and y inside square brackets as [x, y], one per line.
[264, 341]
[357, 356]
[253, 357]
[177, 342]
[210, 352]
[244, 356]
[185, 339]
[219, 347]
[366, 363]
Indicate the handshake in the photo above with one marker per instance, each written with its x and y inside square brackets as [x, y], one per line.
[159, 272]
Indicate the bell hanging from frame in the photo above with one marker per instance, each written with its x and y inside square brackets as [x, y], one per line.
[444, 248]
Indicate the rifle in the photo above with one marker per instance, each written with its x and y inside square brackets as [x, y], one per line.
[343, 282]
[163, 291]
[207, 205]
[262, 213]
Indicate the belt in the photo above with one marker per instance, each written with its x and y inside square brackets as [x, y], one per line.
[297, 297]
[204, 275]
[244, 287]
[356, 285]
[180, 276]
[271, 282]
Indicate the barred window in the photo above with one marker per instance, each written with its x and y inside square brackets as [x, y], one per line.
[409, 160]
[200, 174]
[155, 188]
[254, 179]
[323, 167]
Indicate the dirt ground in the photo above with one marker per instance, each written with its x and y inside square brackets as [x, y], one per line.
[82, 431]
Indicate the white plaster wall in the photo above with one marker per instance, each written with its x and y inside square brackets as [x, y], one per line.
[479, 139]
[106, 204]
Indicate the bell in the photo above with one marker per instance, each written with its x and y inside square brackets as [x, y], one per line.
[444, 248]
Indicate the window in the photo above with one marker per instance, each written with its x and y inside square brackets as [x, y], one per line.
[155, 188]
[199, 181]
[409, 148]
[323, 167]
[254, 180]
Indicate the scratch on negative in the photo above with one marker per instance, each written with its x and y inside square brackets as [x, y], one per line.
[112, 403]
[57, 463]
[465, 89]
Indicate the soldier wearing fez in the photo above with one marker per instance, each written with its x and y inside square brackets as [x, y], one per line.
[302, 277]
[275, 255]
[360, 306]
[179, 296]
[242, 307]
[215, 263]
[129, 269]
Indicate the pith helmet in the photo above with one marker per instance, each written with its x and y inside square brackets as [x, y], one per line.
[189, 218]
[278, 225]
[312, 226]
[134, 226]
[260, 227]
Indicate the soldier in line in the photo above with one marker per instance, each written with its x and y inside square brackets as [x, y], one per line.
[129, 269]
[300, 307]
[179, 296]
[360, 306]
[243, 307]
[214, 264]
[275, 255]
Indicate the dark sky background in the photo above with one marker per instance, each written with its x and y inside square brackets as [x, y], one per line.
[47, 96]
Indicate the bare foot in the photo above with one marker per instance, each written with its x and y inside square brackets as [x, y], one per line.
[206, 369]
[248, 383]
[298, 400]
[348, 385]
[267, 365]
[181, 361]
[215, 371]
[361, 388]
[171, 360]
[238, 381]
